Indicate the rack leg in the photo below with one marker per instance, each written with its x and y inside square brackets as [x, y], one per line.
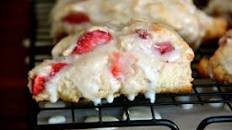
[168, 123]
[215, 119]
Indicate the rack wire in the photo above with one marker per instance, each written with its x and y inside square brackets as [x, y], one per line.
[202, 88]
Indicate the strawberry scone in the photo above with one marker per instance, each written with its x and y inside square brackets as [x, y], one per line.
[193, 25]
[219, 66]
[102, 62]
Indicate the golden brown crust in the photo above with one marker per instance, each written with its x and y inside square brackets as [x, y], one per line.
[206, 67]
[215, 67]
[202, 67]
[181, 89]
[71, 97]
[219, 74]
[216, 29]
[218, 71]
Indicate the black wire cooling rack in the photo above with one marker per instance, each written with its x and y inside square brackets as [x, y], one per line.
[40, 48]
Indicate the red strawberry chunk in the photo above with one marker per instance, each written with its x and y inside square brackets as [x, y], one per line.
[116, 68]
[143, 33]
[164, 47]
[38, 85]
[39, 81]
[76, 18]
[56, 67]
[90, 40]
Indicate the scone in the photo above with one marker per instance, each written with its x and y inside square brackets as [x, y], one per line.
[219, 66]
[220, 8]
[192, 24]
[103, 62]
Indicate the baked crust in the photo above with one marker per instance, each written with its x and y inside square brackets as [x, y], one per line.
[147, 70]
[75, 97]
[215, 66]
[179, 89]
[203, 67]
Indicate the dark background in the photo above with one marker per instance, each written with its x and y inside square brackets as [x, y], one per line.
[14, 27]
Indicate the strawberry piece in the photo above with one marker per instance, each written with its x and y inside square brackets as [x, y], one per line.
[164, 47]
[143, 33]
[56, 67]
[116, 68]
[39, 81]
[38, 85]
[90, 40]
[76, 18]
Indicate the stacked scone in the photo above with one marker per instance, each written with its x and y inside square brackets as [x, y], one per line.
[193, 25]
[219, 66]
[102, 62]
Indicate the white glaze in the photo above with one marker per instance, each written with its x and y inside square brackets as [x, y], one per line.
[186, 20]
[172, 56]
[91, 76]
[51, 85]
[44, 71]
[131, 97]
[150, 95]
[52, 89]
[69, 50]
[110, 98]
[96, 101]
